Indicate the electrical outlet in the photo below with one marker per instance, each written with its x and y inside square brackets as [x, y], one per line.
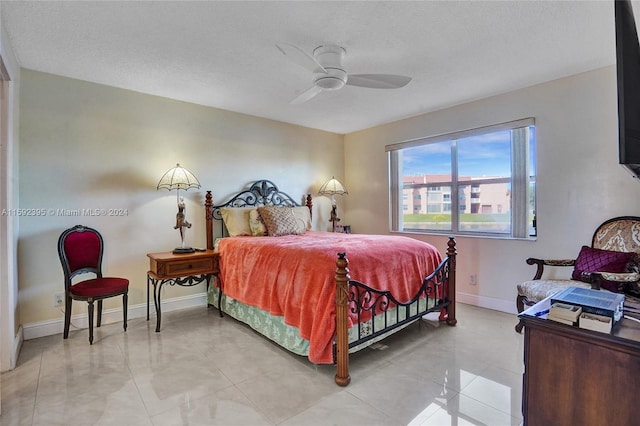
[58, 299]
[473, 279]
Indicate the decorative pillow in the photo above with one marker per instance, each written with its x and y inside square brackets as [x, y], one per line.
[256, 224]
[303, 217]
[596, 260]
[279, 221]
[236, 219]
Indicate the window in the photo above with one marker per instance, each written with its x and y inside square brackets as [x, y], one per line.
[475, 182]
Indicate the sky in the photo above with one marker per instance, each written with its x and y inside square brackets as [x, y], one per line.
[484, 155]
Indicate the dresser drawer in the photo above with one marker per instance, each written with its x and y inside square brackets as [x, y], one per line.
[190, 267]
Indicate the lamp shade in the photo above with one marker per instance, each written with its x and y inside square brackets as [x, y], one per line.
[332, 187]
[178, 178]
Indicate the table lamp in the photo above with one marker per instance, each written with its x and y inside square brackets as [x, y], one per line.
[333, 187]
[180, 178]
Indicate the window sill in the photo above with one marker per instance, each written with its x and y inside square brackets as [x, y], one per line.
[487, 236]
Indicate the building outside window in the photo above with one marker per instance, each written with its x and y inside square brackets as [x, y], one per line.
[477, 182]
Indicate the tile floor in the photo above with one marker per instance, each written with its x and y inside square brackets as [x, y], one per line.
[204, 370]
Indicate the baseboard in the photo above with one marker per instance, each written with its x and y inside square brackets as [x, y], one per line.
[487, 302]
[51, 327]
[109, 316]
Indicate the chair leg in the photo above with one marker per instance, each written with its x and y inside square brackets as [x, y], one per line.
[90, 321]
[520, 307]
[67, 315]
[124, 310]
[99, 322]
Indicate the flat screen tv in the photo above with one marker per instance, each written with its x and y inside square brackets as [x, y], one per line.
[628, 72]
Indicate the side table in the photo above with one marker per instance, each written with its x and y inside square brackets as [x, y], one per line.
[178, 269]
[575, 376]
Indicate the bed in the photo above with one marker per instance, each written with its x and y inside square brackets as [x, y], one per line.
[320, 294]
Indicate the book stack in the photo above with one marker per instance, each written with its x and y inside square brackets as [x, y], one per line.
[600, 309]
[564, 313]
[596, 322]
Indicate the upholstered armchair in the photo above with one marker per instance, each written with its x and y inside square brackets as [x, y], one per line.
[610, 264]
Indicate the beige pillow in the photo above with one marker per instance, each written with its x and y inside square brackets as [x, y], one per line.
[236, 219]
[279, 221]
[256, 224]
[303, 218]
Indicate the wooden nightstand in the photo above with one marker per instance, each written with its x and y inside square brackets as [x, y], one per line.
[178, 269]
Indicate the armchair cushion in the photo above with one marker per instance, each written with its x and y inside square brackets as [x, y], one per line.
[536, 290]
[592, 260]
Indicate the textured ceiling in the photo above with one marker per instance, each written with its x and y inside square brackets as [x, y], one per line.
[223, 54]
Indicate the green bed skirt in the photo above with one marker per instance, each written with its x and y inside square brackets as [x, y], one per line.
[274, 328]
[270, 326]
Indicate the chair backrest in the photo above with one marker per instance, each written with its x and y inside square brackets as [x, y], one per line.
[618, 234]
[80, 250]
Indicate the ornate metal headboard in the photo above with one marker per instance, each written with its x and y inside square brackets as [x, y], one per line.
[260, 193]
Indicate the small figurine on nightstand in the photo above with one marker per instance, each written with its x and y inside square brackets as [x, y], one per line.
[182, 225]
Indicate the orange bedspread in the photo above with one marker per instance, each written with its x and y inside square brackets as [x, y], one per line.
[294, 276]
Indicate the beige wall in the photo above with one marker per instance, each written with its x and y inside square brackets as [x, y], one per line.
[580, 183]
[87, 146]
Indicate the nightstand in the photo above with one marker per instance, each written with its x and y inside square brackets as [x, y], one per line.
[185, 270]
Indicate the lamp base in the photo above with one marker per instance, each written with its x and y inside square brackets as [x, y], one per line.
[183, 250]
[334, 218]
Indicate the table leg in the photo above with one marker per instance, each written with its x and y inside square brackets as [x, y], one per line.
[157, 291]
[219, 292]
[148, 278]
[220, 299]
[187, 281]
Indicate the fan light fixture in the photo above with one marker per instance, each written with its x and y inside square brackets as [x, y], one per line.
[333, 187]
[330, 74]
[180, 178]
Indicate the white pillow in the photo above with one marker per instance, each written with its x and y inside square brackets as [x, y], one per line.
[258, 229]
[236, 219]
[303, 217]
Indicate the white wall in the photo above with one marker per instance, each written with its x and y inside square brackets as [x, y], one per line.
[86, 146]
[579, 181]
[10, 331]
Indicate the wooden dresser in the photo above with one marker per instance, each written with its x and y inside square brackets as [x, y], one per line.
[575, 376]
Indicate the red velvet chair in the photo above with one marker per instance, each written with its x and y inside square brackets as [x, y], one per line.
[80, 249]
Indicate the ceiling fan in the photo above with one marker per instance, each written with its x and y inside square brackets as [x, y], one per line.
[329, 74]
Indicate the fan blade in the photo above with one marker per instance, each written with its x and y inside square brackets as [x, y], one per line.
[378, 81]
[306, 95]
[300, 57]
